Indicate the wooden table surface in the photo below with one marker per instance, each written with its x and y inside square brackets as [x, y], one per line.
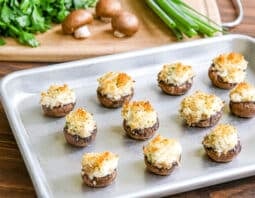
[14, 178]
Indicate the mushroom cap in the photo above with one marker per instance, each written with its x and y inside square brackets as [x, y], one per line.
[108, 8]
[76, 19]
[126, 23]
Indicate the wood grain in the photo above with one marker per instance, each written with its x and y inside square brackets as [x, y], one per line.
[58, 47]
[15, 181]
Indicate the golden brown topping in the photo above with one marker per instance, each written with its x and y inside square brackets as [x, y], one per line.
[79, 114]
[55, 90]
[179, 67]
[230, 67]
[242, 86]
[222, 138]
[114, 79]
[104, 156]
[139, 114]
[93, 161]
[176, 73]
[223, 129]
[243, 92]
[232, 58]
[200, 106]
[191, 101]
[123, 79]
[157, 143]
[80, 122]
[163, 152]
[139, 106]
[57, 95]
[115, 85]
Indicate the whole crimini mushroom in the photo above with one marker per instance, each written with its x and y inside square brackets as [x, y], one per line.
[106, 9]
[76, 23]
[124, 24]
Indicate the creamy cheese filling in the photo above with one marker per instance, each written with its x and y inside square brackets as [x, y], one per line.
[176, 74]
[99, 164]
[200, 106]
[139, 115]
[230, 74]
[115, 85]
[230, 67]
[222, 138]
[243, 92]
[80, 122]
[57, 96]
[163, 152]
[141, 120]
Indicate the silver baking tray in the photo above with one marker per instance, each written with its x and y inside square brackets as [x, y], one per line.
[55, 166]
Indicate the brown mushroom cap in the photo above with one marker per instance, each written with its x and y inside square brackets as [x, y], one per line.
[108, 8]
[76, 19]
[125, 23]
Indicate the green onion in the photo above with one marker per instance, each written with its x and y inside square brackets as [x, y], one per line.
[164, 17]
[174, 12]
[161, 13]
[184, 5]
[183, 19]
[201, 20]
[2, 42]
[186, 30]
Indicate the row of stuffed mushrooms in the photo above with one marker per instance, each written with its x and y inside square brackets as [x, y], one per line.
[140, 120]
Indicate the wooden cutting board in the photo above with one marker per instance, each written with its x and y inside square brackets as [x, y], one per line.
[56, 47]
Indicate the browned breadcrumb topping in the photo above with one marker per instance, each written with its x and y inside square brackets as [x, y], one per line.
[118, 79]
[222, 138]
[180, 68]
[138, 105]
[200, 106]
[155, 142]
[91, 161]
[223, 129]
[123, 79]
[55, 90]
[79, 114]
[242, 86]
[104, 156]
[191, 101]
[233, 58]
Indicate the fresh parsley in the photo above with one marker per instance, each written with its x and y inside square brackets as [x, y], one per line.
[22, 19]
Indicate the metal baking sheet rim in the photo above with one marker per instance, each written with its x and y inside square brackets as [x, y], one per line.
[32, 163]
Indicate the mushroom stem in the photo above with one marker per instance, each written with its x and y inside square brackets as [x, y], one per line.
[118, 34]
[82, 32]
